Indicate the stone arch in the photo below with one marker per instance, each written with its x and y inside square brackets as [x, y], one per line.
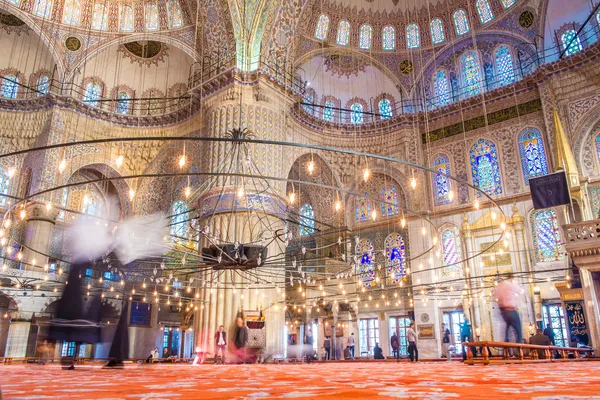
[583, 143]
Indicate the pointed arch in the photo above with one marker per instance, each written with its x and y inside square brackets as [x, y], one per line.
[471, 74]
[395, 258]
[484, 10]
[441, 183]
[343, 33]
[363, 208]
[366, 37]
[365, 252]
[451, 250]
[505, 70]
[307, 220]
[533, 154]
[413, 40]
[322, 27]
[461, 22]
[485, 168]
[546, 235]
[179, 221]
[388, 38]
[441, 88]
[436, 26]
[389, 201]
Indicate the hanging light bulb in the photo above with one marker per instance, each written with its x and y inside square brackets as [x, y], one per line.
[338, 205]
[182, 161]
[310, 167]
[86, 199]
[7, 223]
[476, 204]
[413, 182]
[292, 197]
[451, 195]
[20, 256]
[131, 194]
[23, 214]
[119, 161]
[48, 206]
[403, 222]
[240, 192]
[12, 172]
[188, 191]
[423, 231]
[494, 215]
[62, 165]
[374, 215]
[366, 174]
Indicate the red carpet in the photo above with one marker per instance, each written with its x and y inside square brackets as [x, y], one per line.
[575, 380]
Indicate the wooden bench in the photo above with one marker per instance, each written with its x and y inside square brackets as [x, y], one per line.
[484, 345]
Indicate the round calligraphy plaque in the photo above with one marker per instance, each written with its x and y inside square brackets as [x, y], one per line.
[406, 67]
[72, 43]
[526, 19]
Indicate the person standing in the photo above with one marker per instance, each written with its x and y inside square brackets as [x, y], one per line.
[507, 294]
[465, 336]
[395, 346]
[240, 338]
[411, 335]
[446, 342]
[220, 344]
[327, 347]
[351, 345]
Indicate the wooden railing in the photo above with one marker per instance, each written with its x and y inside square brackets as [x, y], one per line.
[547, 351]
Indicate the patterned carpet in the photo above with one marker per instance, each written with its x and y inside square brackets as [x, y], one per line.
[576, 380]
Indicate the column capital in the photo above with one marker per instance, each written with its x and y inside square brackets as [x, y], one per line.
[37, 211]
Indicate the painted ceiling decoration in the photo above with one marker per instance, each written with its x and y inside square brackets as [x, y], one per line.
[344, 65]
[10, 20]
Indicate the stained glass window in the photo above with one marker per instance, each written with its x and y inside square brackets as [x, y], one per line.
[437, 31]
[365, 252]
[4, 182]
[92, 94]
[546, 236]
[389, 38]
[461, 22]
[42, 85]
[328, 111]
[43, 8]
[309, 99]
[356, 117]
[389, 205]
[363, 208]
[322, 27]
[504, 66]
[151, 17]
[413, 40]
[508, 3]
[570, 38]
[91, 204]
[179, 221]
[441, 182]
[63, 202]
[451, 251]
[100, 17]
[72, 12]
[471, 74]
[485, 168]
[343, 33]
[385, 109]
[15, 2]
[441, 88]
[10, 87]
[307, 220]
[484, 10]
[366, 34]
[533, 154]
[126, 23]
[175, 15]
[395, 258]
[123, 103]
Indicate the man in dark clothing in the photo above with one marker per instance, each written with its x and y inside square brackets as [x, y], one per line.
[378, 352]
[327, 347]
[549, 332]
[395, 346]
[465, 336]
[540, 340]
[446, 342]
[240, 338]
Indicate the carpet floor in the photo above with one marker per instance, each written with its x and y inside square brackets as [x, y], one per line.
[576, 380]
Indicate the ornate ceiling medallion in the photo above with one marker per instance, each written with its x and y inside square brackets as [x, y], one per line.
[146, 52]
[526, 19]
[72, 43]
[344, 65]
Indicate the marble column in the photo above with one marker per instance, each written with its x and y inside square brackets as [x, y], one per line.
[592, 307]
[38, 233]
[18, 336]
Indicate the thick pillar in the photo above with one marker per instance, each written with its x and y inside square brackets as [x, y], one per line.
[592, 308]
[38, 233]
[18, 337]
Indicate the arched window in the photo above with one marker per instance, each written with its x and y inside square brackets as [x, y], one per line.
[328, 111]
[309, 99]
[471, 74]
[365, 252]
[42, 85]
[63, 203]
[451, 251]
[395, 258]
[366, 35]
[307, 220]
[175, 15]
[4, 182]
[91, 204]
[43, 8]
[385, 109]
[179, 221]
[485, 168]
[441, 88]
[123, 103]
[441, 182]
[504, 66]
[100, 17]
[413, 41]
[92, 94]
[389, 38]
[508, 3]
[343, 33]
[571, 42]
[546, 236]
[363, 208]
[356, 117]
[151, 17]
[389, 204]
[437, 31]
[10, 86]
[72, 12]
[461, 22]
[322, 27]
[484, 10]
[126, 23]
[533, 154]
